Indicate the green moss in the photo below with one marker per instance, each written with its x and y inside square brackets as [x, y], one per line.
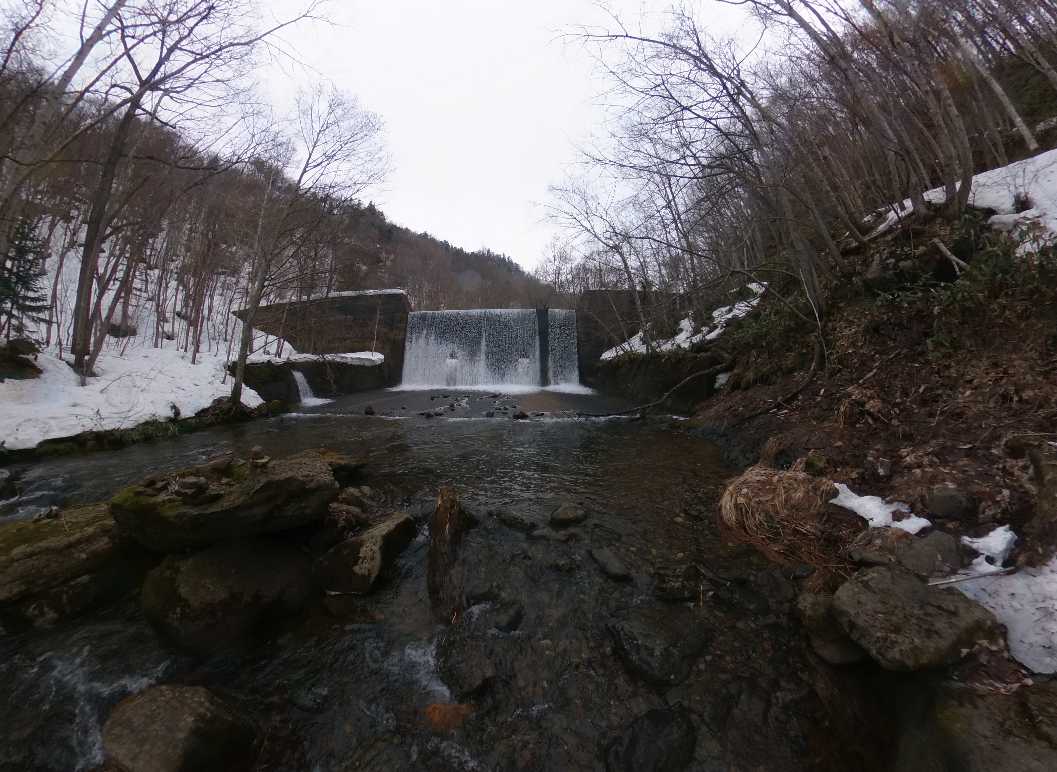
[137, 500]
[26, 533]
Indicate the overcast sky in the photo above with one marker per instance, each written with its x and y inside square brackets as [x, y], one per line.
[484, 103]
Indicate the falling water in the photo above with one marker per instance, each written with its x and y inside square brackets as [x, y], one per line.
[304, 391]
[487, 349]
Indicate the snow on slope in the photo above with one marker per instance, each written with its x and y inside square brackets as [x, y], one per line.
[141, 384]
[686, 337]
[997, 189]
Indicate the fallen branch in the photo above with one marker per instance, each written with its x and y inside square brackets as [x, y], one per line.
[959, 579]
[959, 265]
[643, 409]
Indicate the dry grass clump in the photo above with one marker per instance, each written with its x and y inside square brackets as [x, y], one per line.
[783, 514]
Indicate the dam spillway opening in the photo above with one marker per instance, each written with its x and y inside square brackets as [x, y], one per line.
[492, 349]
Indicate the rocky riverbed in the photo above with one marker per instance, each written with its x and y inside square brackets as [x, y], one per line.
[428, 593]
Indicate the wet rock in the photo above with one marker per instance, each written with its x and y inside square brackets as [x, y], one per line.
[659, 645]
[218, 598]
[548, 534]
[520, 415]
[465, 660]
[508, 618]
[661, 740]
[826, 636]
[190, 487]
[980, 732]
[341, 522]
[355, 565]
[7, 484]
[903, 624]
[444, 572]
[57, 567]
[288, 493]
[515, 520]
[610, 564]
[567, 514]
[369, 410]
[177, 729]
[447, 717]
[950, 503]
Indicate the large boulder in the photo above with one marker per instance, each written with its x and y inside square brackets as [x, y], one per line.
[828, 640]
[444, 572]
[904, 624]
[59, 566]
[217, 598]
[178, 729]
[229, 502]
[661, 740]
[355, 565]
[659, 644]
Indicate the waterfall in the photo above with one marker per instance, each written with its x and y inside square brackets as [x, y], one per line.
[304, 391]
[488, 349]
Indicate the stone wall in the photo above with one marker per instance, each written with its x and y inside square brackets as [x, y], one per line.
[606, 318]
[328, 378]
[373, 320]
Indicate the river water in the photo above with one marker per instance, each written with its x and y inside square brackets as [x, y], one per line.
[345, 693]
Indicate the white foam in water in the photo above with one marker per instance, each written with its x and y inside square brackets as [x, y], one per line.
[489, 350]
[304, 391]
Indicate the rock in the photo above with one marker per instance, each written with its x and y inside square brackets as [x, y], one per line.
[508, 618]
[177, 729]
[547, 534]
[659, 645]
[60, 566]
[190, 487]
[217, 598]
[355, 565]
[935, 554]
[974, 731]
[904, 624]
[288, 493]
[661, 740]
[681, 584]
[950, 503]
[340, 523]
[7, 484]
[369, 410]
[515, 520]
[22, 347]
[447, 717]
[610, 564]
[566, 515]
[826, 636]
[877, 546]
[464, 658]
[444, 571]
[257, 453]
[520, 415]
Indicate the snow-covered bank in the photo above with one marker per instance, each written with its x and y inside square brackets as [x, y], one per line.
[686, 337]
[140, 385]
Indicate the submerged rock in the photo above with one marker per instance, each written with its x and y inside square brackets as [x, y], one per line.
[246, 501]
[661, 740]
[53, 568]
[567, 514]
[903, 624]
[218, 597]
[444, 572]
[178, 729]
[610, 564]
[355, 565]
[659, 645]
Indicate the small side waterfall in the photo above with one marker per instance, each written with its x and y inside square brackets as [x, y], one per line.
[304, 391]
[489, 349]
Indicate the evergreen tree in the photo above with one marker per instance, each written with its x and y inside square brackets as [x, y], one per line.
[22, 297]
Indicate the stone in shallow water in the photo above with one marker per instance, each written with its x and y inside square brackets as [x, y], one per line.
[610, 564]
[356, 564]
[659, 644]
[177, 729]
[661, 740]
[444, 570]
[567, 514]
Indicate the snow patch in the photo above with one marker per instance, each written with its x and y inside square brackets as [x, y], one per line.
[994, 549]
[877, 512]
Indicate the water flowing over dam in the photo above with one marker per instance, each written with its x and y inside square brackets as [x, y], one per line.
[491, 349]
